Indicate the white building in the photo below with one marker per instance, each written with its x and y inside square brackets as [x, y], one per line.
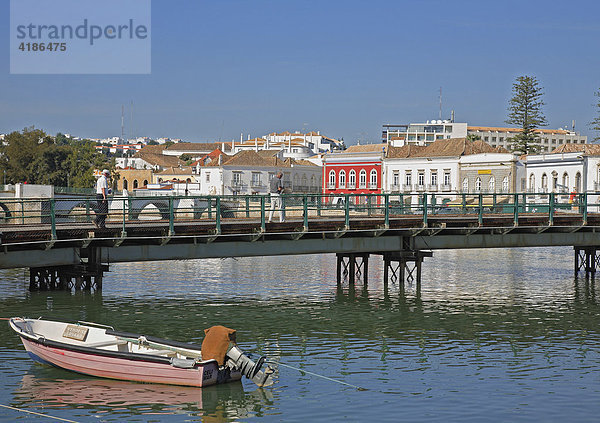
[451, 166]
[570, 167]
[547, 139]
[295, 148]
[249, 173]
[422, 133]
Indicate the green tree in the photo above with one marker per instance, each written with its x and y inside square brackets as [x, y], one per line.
[473, 137]
[595, 124]
[525, 110]
[34, 157]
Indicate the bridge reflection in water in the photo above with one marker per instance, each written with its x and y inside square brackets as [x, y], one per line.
[65, 250]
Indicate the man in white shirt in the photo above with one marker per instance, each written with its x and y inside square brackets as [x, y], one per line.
[102, 197]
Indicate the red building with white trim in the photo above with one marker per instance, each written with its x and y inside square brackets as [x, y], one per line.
[357, 170]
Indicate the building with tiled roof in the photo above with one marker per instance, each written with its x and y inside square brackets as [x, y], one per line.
[196, 149]
[431, 131]
[547, 139]
[450, 166]
[568, 168]
[249, 172]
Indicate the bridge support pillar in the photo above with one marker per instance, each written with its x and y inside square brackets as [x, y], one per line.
[587, 260]
[84, 276]
[403, 266]
[351, 269]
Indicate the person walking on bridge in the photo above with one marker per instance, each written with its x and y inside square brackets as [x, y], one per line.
[276, 188]
[102, 198]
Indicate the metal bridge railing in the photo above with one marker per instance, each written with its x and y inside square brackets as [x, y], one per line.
[216, 210]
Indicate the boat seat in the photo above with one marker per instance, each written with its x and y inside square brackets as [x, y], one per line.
[106, 343]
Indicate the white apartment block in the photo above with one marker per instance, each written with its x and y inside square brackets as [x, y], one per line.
[548, 139]
[422, 133]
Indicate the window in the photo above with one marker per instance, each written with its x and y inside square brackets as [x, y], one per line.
[332, 179]
[478, 184]
[532, 182]
[135, 183]
[434, 180]
[505, 184]
[373, 182]
[492, 184]
[544, 183]
[421, 178]
[446, 178]
[207, 177]
[124, 183]
[237, 178]
[408, 179]
[395, 178]
[313, 180]
[578, 182]
[565, 182]
[465, 185]
[363, 178]
[342, 182]
[352, 179]
[255, 179]
[304, 181]
[296, 180]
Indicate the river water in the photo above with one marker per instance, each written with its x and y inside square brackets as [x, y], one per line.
[493, 335]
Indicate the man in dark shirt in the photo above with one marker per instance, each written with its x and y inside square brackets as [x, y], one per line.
[276, 191]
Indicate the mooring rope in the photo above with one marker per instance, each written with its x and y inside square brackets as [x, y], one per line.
[317, 375]
[38, 414]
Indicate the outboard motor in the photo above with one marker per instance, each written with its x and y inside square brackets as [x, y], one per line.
[250, 369]
[219, 344]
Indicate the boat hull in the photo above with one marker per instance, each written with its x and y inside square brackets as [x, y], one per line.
[137, 370]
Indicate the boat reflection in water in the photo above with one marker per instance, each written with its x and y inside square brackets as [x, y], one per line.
[217, 403]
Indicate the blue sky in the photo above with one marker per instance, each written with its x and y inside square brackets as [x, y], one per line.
[221, 68]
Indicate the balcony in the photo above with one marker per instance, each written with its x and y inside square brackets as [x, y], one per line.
[331, 186]
[373, 186]
[407, 187]
[446, 188]
[351, 186]
[395, 188]
[256, 184]
[432, 187]
[420, 188]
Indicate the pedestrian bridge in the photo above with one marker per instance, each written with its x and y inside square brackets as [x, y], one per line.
[402, 228]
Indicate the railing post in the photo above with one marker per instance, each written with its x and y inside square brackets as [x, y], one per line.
[551, 209]
[480, 215]
[369, 203]
[387, 210]
[516, 210]
[171, 217]
[464, 202]
[347, 210]
[87, 210]
[305, 211]
[53, 217]
[247, 206]
[218, 216]
[319, 204]
[263, 225]
[494, 201]
[424, 204]
[123, 232]
[401, 203]
[583, 203]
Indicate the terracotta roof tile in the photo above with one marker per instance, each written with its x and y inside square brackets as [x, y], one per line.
[589, 149]
[366, 148]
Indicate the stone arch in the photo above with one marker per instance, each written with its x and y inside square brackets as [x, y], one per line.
[135, 183]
